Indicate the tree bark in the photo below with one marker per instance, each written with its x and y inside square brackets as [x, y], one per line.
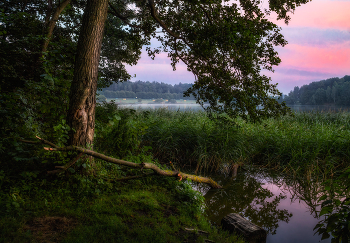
[81, 113]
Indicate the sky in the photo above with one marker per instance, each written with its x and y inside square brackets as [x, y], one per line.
[318, 48]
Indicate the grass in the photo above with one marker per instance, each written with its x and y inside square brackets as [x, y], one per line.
[153, 209]
[310, 143]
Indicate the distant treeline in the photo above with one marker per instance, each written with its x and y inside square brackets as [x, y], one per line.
[145, 90]
[334, 91]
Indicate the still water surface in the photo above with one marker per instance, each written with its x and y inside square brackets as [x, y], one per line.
[286, 208]
[196, 107]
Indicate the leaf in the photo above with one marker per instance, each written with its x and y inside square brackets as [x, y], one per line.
[327, 202]
[322, 198]
[325, 210]
[318, 226]
[71, 170]
[325, 235]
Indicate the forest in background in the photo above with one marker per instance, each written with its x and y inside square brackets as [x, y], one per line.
[145, 90]
[333, 91]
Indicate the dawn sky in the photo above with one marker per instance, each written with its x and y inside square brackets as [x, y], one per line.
[318, 48]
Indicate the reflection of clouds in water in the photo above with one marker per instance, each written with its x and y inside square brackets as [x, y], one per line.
[285, 207]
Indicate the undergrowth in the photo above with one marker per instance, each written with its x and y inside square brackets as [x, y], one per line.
[91, 209]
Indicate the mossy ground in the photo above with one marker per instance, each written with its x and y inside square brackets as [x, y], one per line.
[152, 209]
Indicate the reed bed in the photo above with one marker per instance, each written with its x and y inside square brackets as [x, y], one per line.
[310, 143]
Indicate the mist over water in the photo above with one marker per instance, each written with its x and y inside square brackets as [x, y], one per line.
[196, 107]
[181, 107]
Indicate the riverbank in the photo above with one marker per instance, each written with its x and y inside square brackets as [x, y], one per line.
[91, 209]
[75, 207]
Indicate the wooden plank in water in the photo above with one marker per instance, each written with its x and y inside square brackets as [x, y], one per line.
[241, 226]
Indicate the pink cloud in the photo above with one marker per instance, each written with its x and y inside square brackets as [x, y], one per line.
[308, 57]
[320, 14]
[160, 70]
[330, 59]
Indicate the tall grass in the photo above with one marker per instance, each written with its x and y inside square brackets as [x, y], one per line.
[313, 142]
[307, 143]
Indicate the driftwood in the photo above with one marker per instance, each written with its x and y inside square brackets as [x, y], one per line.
[156, 169]
[241, 226]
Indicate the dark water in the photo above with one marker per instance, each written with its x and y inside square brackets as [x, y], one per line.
[285, 207]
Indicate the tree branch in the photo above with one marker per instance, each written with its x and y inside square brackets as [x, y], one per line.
[38, 142]
[142, 166]
[125, 19]
[155, 16]
[52, 23]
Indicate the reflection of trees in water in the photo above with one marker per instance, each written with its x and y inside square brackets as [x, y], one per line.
[305, 190]
[247, 197]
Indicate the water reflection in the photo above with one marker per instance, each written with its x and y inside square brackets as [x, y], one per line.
[286, 208]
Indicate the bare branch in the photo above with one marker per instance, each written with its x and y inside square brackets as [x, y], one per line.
[150, 166]
[38, 142]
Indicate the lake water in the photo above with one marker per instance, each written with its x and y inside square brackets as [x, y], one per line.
[182, 107]
[286, 208]
[196, 107]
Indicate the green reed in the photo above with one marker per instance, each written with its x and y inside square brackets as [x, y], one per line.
[311, 143]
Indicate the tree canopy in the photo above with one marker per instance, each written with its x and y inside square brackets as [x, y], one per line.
[224, 44]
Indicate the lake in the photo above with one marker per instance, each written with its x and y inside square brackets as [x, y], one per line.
[196, 107]
[286, 208]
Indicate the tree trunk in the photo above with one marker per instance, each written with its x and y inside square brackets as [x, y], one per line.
[82, 98]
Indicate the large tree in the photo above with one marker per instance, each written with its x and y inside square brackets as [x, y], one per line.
[224, 44]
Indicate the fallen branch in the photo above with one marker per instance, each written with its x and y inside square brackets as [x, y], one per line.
[37, 142]
[156, 169]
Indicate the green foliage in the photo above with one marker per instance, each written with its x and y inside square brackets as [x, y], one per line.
[118, 131]
[335, 208]
[330, 91]
[313, 143]
[153, 209]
